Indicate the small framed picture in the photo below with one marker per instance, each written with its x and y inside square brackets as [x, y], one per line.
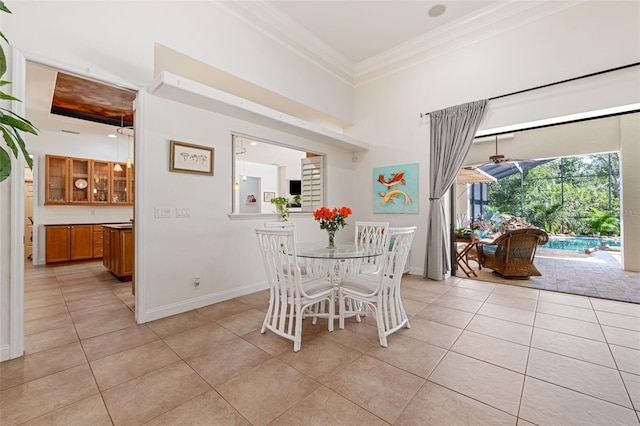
[190, 158]
[268, 196]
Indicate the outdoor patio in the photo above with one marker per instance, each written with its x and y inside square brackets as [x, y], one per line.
[598, 274]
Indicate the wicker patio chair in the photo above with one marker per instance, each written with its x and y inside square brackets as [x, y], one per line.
[512, 253]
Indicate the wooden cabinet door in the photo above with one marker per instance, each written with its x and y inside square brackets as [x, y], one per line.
[100, 182]
[58, 241]
[56, 180]
[119, 185]
[98, 238]
[126, 252]
[79, 182]
[106, 248]
[81, 242]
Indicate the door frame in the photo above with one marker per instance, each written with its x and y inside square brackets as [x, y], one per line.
[16, 219]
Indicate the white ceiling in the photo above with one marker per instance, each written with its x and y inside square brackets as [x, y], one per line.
[362, 29]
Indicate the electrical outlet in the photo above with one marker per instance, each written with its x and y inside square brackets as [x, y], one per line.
[183, 212]
[196, 282]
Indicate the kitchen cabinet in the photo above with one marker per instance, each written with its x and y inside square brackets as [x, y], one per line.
[98, 245]
[118, 250]
[76, 181]
[68, 242]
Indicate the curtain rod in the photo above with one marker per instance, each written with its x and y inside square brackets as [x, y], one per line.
[635, 64]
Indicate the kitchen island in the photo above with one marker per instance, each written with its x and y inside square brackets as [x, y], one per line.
[118, 250]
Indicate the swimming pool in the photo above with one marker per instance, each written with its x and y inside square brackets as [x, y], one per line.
[579, 243]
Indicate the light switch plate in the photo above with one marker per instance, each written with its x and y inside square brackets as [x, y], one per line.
[161, 212]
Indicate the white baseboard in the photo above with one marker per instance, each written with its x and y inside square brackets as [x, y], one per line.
[5, 353]
[414, 270]
[202, 301]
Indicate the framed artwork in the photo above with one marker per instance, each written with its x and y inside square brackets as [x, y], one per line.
[190, 158]
[268, 196]
[395, 189]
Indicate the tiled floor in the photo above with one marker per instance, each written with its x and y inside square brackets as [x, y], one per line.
[477, 353]
[598, 274]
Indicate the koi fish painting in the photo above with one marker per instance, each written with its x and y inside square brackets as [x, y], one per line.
[395, 189]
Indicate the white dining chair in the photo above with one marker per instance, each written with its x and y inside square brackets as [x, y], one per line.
[379, 291]
[289, 225]
[289, 294]
[370, 234]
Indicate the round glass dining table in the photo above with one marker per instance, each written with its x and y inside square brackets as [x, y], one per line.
[335, 263]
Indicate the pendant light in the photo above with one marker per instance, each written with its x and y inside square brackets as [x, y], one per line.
[117, 167]
[244, 163]
[128, 151]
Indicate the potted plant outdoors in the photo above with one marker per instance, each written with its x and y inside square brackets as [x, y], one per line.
[281, 204]
[11, 124]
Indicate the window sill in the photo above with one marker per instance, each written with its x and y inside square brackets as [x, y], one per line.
[270, 216]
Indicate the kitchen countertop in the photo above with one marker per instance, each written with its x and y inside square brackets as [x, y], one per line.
[118, 226]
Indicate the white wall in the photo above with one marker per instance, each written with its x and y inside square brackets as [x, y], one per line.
[221, 251]
[588, 37]
[630, 201]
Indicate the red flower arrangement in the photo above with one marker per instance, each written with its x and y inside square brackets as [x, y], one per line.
[332, 219]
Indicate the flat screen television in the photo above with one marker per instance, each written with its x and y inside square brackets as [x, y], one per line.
[295, 187]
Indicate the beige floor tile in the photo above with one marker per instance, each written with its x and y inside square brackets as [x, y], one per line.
[44, 292]
[567, 311]
[266, 391]
[177, 323]
[631, 309]
[459, 303]
[145, 398]
[85, 291]
[585, 329]
[49, 323]
[581, 376]
[319, 358]
[269, 342]
[208, 408]
[524, 423]
[226, 360]
[92, 301]
[102, 319]
[412, 307]
[573, 346]
[513, 290]
[468, 293]
[620, 321]
[565, 299]
[632, 383]
[435, 405]
[421, 294]
[495, 386]
[45, 311]
[627, 359]
[494, 351]
[622, 337]
[117, 341]
[38, 397]
[131, 363]
[358, 336]
[378, 387]
[258, 300]
[506, 330]
[38, 302]
[513, 301]
[506, 313]
[30, 367]
[447, 316]
[476, 285]
[431, 332]
[244, 322]
[410, 355]
[198, 340]
[325, 407]
[224, 309]
[89, 411]
[547, 404]
[49, 339]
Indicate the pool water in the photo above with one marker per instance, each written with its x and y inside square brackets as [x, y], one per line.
[578, 243]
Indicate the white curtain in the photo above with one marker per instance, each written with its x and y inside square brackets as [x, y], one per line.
[452, 131]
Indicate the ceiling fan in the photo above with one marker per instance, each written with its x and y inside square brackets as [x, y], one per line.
[501, 160]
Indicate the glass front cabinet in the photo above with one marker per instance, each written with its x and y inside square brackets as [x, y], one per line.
[83, 181]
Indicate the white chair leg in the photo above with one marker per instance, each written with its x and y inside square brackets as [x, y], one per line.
[341, 305]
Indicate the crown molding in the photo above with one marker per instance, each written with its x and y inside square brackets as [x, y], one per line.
[490, 21]
[266, 19]
[494, 19]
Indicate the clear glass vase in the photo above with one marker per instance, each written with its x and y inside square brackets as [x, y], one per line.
[332, 238]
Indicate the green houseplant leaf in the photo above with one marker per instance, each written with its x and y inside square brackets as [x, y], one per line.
[11, 124]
